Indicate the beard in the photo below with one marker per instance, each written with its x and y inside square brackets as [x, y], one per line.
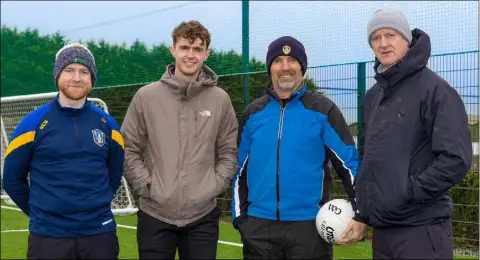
[287, 86]
[75, 94]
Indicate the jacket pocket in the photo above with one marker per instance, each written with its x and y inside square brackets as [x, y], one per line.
[415, 161]
[203, 189]
[420, 160]
[390, 193]
[144, 192]
[146, 189]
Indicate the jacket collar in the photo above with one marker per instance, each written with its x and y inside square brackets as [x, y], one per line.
[70, 109]
[295, 95]
[415, 60]
[186, 90]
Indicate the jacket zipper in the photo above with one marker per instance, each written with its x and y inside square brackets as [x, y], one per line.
[76, 129]
[280, 127]
[196, 124]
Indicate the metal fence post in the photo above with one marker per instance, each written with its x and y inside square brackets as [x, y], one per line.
[361, 88]
[245, 51]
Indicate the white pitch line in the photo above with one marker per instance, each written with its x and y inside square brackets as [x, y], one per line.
[230, 243]
[219, 241]
[118, 225]
[12, 208]
[125, 226]
[17, 230]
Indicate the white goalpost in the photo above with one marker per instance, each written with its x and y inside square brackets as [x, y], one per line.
[14, 108]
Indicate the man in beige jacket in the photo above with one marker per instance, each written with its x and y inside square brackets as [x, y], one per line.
[180, 137]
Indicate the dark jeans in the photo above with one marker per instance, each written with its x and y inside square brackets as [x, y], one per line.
[101, 246]
[271, 239]
[159, 240]
[419, 242]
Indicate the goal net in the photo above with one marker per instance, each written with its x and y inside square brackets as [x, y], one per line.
[14, 108]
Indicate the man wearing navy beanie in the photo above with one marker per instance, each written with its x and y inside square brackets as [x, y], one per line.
[287, 45]
[286, 139]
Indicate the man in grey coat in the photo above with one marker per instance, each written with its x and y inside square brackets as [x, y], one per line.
[180, 152]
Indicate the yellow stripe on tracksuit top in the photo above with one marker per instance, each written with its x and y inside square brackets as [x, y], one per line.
[20, 141]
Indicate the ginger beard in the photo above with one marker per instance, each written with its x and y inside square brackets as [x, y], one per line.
[75, 82]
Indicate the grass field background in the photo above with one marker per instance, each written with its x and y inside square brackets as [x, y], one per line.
[14, 225]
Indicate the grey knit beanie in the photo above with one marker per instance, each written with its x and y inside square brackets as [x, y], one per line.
[74, 53]
[389, 18]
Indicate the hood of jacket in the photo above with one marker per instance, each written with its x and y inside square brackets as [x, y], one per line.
[186, 90]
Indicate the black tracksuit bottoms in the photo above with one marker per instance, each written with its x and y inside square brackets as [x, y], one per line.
[272, 239]
[101, 246]
[159, 240]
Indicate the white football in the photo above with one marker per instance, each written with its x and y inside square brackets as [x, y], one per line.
[332, 218]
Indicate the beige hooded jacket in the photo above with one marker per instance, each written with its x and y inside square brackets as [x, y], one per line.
[180, 146]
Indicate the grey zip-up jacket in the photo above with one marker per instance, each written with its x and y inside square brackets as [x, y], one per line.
[180, 146]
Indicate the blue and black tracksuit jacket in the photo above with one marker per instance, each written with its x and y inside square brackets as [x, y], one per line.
[283, 156]
[75, 160]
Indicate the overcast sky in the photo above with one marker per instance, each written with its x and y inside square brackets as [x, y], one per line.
[332, 32]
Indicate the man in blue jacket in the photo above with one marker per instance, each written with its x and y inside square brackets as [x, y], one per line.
[286, 139]
[415, 145]
[74, 154]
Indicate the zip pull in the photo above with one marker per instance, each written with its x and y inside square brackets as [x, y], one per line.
[196, 124]
[188, 89]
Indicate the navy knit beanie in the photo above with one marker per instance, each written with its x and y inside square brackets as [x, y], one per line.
[74, 53]
[289, 46]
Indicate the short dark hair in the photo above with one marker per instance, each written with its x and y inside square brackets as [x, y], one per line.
[191, 30]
